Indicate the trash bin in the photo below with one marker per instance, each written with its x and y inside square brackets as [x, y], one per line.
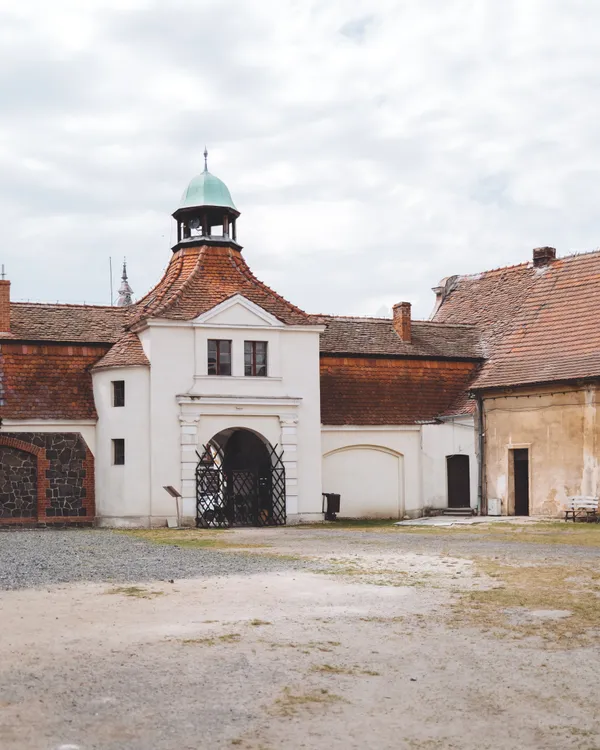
[331, 505]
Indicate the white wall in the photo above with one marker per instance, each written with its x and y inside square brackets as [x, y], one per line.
[85, 427]
[123, 492]
[450, 438]
[393, 471]
[376, 470]
[188, 407]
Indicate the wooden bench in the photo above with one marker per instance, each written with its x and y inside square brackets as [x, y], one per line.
[582, 508]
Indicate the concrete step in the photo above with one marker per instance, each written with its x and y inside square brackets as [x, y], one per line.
[460, 512]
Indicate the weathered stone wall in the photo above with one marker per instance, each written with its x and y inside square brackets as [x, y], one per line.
[48, 477]
[559, 426]
[18, 483]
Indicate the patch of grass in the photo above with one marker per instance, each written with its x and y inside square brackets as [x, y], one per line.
[290, 703]
[332, 669]
[506, 607]
[346, 524]
[192, 538]
[540, 532]
[137, 592]
[386, 620]
[212, 640]
[257, 623]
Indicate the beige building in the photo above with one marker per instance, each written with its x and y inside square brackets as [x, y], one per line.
[536, 394]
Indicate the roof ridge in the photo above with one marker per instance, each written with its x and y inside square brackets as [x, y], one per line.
[69, 304]
[155, 303]
[391, 320]
[527, 263]
[178, 294]
[244, 269]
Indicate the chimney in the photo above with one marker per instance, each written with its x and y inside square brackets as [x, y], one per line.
[543, 256]
[402, 320]
[4, 306]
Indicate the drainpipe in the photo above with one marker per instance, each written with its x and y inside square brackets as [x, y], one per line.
[481, 499]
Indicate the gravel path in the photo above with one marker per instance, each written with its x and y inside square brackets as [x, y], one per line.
[40, 558]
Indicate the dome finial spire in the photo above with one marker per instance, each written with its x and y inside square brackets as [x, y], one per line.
[205, 159]
[125, 291]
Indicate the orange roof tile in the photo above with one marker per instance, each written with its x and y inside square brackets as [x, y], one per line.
[47, 381]
[198, 278]
[537, 324]
[377, 336]
[377, 391]
[127, 352]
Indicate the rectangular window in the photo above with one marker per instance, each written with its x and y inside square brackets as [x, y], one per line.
[118, 392]
[219, 357]
[255, 358]
[118, 452]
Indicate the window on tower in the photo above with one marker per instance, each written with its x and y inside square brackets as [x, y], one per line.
[255, 358]
[219, 357]
[118, 392]
[118, 451]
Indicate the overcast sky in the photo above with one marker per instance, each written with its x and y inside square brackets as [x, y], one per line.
[372, 146]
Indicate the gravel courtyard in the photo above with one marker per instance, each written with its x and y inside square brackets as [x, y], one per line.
[324, 637]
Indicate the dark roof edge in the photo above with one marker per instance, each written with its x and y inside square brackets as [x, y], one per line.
[56, 342]
[377, 355]
[521, 385]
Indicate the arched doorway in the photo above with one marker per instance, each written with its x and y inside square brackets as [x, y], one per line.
[240, 481]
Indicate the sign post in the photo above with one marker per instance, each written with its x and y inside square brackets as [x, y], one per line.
[174, 493]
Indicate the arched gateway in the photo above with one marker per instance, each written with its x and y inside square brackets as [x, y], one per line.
[240, 481]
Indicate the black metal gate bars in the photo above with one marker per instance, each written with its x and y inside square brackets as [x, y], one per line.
[233, 497]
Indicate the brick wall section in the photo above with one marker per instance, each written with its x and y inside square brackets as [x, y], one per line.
[47, 381]
[378, 391]
[65, 476]
[4, 306]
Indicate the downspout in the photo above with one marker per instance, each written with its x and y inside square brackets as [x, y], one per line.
[481, 499]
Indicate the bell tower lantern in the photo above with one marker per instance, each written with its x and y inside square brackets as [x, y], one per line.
[207, 214]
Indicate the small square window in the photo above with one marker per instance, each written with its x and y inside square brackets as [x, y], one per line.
[118, 392]
[118, 451]
[255, 358]
[219, 357]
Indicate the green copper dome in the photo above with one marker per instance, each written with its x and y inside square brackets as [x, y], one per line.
[207, 190]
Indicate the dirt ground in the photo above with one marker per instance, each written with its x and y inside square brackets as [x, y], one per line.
[373, 637]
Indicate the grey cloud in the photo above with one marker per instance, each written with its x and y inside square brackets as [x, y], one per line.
[357, 28]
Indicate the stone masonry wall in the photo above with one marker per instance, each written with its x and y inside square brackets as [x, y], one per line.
[18, 483]
[48, 477]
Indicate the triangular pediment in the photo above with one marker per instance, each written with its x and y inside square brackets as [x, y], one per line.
[237, 311]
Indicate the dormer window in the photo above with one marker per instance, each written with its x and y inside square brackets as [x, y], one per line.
[255, 358]
[219, 357]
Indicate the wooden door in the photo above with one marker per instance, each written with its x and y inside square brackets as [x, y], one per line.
[459, 484]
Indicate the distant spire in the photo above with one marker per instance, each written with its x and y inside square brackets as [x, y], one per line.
[205, 159]
[125, 291]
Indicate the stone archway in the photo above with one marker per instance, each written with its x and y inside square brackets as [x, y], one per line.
[240, 481]
[23, 481]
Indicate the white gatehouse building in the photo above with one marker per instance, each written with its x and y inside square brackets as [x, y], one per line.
[216, 386]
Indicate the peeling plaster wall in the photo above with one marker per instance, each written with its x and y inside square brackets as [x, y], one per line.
[559, 425]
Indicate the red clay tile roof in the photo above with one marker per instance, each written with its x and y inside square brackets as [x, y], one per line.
[31, 321]
[538, 324]
[47, 381]
[377, 336]
[198, 278]
[463, 406]
[377, 391]
[127, 352]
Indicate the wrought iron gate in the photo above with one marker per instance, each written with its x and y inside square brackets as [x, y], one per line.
[226, 498]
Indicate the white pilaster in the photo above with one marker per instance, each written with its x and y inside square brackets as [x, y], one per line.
[189, 458]
[289, 445]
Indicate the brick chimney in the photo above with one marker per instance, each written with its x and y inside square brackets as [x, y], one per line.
[543, 256]
[4, 306]
[402, 320]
